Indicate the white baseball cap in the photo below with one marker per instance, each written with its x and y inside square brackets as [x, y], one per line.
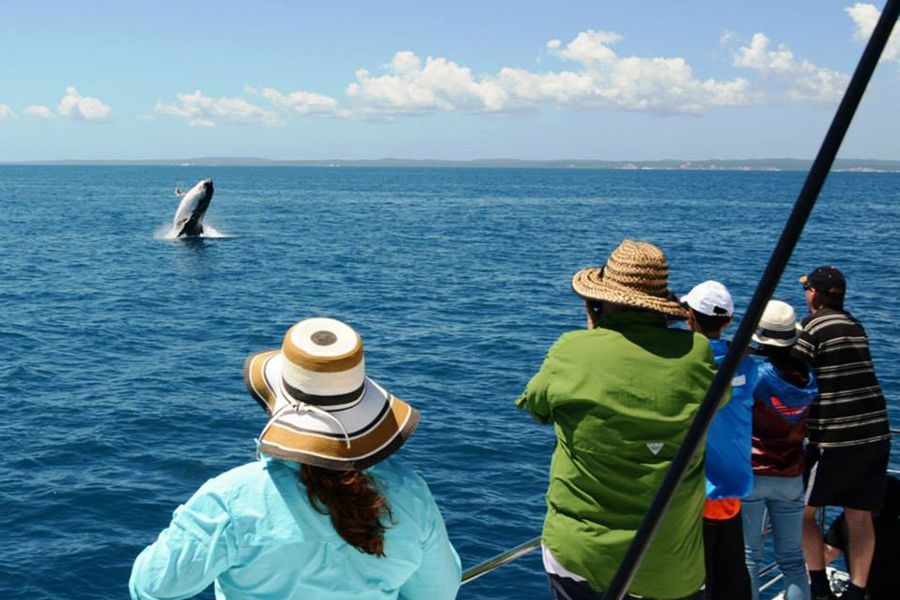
[710, 298]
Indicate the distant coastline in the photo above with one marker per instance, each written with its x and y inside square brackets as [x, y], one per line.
[760, 164]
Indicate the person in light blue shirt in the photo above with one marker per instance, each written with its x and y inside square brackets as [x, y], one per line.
[323, 513]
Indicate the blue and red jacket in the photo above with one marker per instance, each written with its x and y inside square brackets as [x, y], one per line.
[779, 422]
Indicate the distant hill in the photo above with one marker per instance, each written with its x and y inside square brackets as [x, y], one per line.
[759, 164]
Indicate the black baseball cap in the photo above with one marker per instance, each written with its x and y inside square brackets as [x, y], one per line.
[828, 280]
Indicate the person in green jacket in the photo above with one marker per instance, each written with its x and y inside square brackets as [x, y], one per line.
[621, 396]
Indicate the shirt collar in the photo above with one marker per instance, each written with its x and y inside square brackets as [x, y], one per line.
[628, 316]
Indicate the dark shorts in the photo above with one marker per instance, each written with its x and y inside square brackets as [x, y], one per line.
[852, 477]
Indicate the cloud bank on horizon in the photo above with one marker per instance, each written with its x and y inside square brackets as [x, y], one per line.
[593, 77]
[600, 80]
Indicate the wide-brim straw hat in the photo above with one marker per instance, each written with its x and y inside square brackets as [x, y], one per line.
[777, 326]
[323, 409]
[636, 274]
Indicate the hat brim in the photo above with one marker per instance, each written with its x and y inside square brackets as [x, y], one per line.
[766, 341]
[780, 342]
[589, 283]
[376, 425]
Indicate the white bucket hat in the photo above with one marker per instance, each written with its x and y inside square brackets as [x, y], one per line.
[778, 325]
[323, 409]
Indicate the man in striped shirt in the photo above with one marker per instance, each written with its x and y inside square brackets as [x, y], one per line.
[849, 435]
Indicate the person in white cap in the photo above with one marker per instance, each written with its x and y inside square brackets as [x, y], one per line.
[325, 513]
[782, 396]
[729, 476]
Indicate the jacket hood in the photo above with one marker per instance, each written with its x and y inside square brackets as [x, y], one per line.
[787, 399]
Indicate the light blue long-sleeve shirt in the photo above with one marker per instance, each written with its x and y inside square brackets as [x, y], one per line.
[253, 531]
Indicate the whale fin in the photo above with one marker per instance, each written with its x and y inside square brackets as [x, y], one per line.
[179, 193]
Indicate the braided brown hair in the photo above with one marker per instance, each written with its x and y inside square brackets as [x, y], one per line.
[354, 503]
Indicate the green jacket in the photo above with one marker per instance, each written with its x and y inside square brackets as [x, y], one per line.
[621, 398]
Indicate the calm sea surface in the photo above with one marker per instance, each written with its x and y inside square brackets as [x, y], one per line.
[121, 352]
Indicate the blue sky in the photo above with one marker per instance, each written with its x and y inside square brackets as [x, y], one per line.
[636, 80]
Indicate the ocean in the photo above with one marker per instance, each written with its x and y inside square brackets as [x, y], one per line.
[121, 353]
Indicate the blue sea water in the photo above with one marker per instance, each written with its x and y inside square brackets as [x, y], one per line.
[121, 351]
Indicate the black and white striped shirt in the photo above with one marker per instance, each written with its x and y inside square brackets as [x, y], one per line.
[850, 409]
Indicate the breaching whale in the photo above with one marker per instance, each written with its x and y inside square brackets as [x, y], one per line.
[194, 202]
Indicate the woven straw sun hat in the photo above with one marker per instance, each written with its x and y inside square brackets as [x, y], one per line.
[636, 275]
[778, 325]
[323, 409]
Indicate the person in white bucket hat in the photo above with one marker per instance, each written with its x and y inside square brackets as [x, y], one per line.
[784, 390]
[326, 512]
[778, 326]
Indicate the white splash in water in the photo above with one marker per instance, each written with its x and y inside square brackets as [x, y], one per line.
[167, 232]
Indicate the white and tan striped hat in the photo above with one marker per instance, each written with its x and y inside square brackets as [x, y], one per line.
[323, 409]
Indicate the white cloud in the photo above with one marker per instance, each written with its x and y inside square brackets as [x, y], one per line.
[796, 81]
[727, 37]
[203, 111]
[602, 80]
[866, 16]
[300, 102]
[75, 106]
[590, 47]
[6, 112]
[657, 84]
[411, 88]
[39, 111]
[597, 78]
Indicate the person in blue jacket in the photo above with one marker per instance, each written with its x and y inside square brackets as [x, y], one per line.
[729, 476]
[782, 397]
[325, 513]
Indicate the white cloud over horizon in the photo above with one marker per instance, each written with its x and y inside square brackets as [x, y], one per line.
[660, 85]
[300, 102]
[83, 108]
[601, 79]
[592, 76]
[410, 88]
[865, 16]
[39, 111]
[202, 111]
[796, 81]
[72, 106]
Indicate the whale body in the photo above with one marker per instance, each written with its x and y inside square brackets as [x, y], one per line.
[194, 202]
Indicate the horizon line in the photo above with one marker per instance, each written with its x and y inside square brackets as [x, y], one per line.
[774, 163]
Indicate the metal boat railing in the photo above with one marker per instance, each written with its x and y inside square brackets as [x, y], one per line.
[498, 561]
[504, 558]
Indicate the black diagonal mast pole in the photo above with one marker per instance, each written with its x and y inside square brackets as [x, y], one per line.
[780, 256]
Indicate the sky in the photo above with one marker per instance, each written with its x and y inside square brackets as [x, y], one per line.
[318, 80]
